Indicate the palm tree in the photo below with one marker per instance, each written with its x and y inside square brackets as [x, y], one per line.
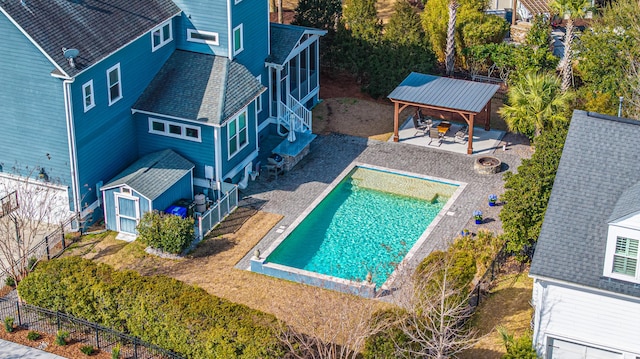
[536, 103]
[451, 31]
[571, 9]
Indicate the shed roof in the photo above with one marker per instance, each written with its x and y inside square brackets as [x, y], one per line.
[463, 95]
[200, 87]
[284, 38]
[599, 167]
[153, 174]
[96, 28]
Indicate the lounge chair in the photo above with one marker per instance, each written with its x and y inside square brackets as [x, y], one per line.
[462, 134]
[434, 134]
[420, 127]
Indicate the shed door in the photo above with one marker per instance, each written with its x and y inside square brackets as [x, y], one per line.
[560, 349]
[127, 213]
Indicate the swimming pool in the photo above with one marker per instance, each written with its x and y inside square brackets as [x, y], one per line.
[367, 222]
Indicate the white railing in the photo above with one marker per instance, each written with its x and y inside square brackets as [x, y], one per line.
[216, 213]
[302, 113]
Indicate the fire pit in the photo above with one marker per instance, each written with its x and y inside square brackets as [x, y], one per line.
[487, 165]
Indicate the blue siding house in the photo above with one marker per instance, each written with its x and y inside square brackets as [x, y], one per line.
[91, 88]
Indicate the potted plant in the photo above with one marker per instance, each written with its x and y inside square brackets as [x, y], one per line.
[465, 232]
[492, 200]
[477, 215]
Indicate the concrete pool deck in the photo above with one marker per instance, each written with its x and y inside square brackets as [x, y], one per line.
[330, 155]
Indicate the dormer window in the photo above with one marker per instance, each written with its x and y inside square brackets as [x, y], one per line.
[625, 257]
[622, 254]
[161, 35]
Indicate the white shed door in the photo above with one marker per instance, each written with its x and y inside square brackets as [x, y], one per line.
[560, 349]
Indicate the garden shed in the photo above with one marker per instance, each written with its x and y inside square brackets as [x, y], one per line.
[153, 182]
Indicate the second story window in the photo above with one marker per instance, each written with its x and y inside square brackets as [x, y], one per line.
[625, 257]
[87, 95]
[113, 82]
[161, 35]
[237, 132]
[238, 46]
[205, 37]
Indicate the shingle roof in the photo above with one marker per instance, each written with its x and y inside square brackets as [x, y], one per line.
[284, 39]
[599, 166]
[200, 87]
[96, 28]
[153, 174]
[444, 92]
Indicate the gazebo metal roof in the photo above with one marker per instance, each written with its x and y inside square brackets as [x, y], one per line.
[466, 98]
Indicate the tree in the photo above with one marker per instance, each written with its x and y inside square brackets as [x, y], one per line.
[535, 103]
[320, 14]
[404, 26]
[571, 9]
[361, 18]
[37, 206]
[451, 29]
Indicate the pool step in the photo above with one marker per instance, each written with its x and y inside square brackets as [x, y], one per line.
[402, 185]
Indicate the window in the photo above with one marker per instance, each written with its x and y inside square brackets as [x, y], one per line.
[237, 40]
[174, 129]
[259, 99]
[204, 37]
[113, 82]
[237, 131]
[161, 35]
[625, 257]
[87, 95]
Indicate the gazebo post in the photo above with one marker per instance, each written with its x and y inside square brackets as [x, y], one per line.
[470, 141]
[396, 111]
[487, 120]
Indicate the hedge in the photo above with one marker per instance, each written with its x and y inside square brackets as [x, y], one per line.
[157, 309]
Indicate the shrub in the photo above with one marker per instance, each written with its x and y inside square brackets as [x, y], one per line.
[32, 335]
[385, 344]
[87, 349]
[485, 246]
[8, 324]
[167, 232]
[518, 348]
[147, 307]
[61, 337]
[10, 281]
[115, 352]
[461, 267]
[31, 265]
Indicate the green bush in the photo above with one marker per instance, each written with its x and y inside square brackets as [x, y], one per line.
[461, 267]
[485, 246]
[8, 324]
[385, 344]
[157, 309]
[115, 352]
[10, 281]
[31, 265]
[87, 349]
[167, 232]
[61, 337]
[32, 335]
[520, 348]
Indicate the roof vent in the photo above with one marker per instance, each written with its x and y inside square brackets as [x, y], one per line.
[70, 54]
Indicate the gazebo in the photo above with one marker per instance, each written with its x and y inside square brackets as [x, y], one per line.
[462, 97]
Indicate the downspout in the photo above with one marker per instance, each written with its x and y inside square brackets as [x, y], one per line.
[71, 134]
[217, 136]
[230, 36]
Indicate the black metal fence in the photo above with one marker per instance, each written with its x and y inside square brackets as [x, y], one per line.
[485, 282]
[50, 322]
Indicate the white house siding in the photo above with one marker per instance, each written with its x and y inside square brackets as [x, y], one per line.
[587, 317]
[46, 201]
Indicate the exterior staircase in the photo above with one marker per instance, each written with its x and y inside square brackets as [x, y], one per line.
[293, 116]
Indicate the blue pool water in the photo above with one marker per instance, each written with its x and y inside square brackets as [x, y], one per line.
[356, 230]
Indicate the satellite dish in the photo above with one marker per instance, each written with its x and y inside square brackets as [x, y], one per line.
[70, 54]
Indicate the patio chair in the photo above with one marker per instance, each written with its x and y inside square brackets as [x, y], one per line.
[434, 134]
[422, 119]
[462, 134]
[420, 127]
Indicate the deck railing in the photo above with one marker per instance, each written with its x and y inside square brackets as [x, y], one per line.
[217, 212]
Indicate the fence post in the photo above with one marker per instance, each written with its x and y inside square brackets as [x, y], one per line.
[135, 348]
[19, 316]
[46, 244]
[478, 294]
[97, 337]
[58, 320]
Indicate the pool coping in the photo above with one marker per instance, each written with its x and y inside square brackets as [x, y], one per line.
[258, 263]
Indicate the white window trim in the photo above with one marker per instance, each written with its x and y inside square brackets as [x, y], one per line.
[88, 84]
[259, 98]
[233, 38]
[163, 41]
[114, 100]
[229, 134]
[236, 2]
[190, 38]
[183, 131]
[614, 233]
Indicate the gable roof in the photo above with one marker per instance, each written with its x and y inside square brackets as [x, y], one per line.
[284, 38]
[468, 96]
[628, 203]
[199, 87]
[96, 28]
[153, 174]
[599, 166]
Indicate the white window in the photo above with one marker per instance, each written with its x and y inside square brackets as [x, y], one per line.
[174, 129]
[87, 96]
[259, 99]
[113, 82]
[237, 133]
[625, 257]
[161, 35]
[205, 37]
[237, 40]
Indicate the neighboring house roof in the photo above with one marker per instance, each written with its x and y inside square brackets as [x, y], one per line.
[200, 87]
[96, 28]
[599, 166]
[284, 38]
[153, 174]
[444, 92]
